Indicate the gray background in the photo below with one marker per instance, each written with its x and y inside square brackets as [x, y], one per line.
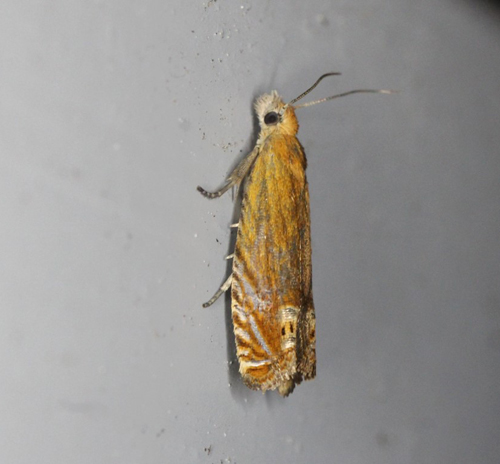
[112, 112]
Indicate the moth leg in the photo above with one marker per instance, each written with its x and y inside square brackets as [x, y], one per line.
[219, 292]
[235, 178]
[218, 193]
[231, 256]
[234, 226]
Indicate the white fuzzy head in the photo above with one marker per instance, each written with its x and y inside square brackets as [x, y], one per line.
[274, 115]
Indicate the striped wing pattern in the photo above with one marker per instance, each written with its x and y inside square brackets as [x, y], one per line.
[272, 305]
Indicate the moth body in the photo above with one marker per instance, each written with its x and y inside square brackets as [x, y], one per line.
[271, 292]
[271, 289]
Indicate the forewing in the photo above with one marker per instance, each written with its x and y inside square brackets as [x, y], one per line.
[271, 289]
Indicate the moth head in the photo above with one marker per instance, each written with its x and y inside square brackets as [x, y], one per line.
[274, 115]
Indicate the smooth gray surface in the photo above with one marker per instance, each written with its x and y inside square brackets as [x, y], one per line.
[112, 113]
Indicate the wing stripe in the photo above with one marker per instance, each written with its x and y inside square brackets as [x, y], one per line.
[258, 335]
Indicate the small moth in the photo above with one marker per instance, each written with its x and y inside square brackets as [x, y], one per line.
[271, 280]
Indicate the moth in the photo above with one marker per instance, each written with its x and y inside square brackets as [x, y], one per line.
[271, 280]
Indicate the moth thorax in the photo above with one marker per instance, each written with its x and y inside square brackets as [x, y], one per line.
[288, 316]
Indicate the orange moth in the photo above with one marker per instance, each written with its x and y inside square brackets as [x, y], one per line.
[271, 280]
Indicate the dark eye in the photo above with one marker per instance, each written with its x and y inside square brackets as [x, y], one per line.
[271, 118]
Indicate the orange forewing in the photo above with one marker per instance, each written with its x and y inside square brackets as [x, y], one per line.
[272, 307]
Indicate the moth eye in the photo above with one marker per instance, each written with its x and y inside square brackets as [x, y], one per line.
[271, 118]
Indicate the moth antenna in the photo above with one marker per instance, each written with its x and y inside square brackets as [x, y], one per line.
[315, 102]
[310, 89]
